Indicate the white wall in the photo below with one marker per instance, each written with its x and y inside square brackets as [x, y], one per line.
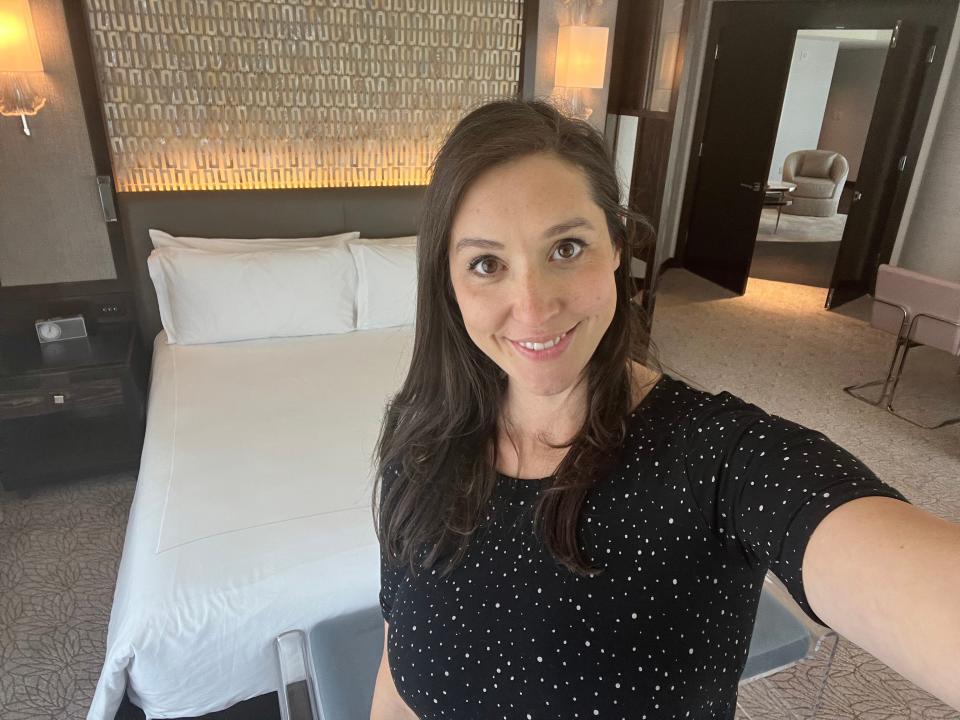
[928, 239]
[932, 241]
[853, 93]
[805, 99]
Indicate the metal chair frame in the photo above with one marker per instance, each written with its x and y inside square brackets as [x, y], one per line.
[822, 646]
[897, 364]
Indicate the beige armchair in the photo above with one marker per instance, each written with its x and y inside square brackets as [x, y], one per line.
[819, 176]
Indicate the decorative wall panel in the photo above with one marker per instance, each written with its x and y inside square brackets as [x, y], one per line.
[243, 94]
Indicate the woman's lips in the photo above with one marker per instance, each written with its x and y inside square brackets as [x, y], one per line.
[547, 353]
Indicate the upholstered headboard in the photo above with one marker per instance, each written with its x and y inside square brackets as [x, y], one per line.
[373, 211]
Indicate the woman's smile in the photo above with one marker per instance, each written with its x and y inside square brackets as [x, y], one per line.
[546, 349]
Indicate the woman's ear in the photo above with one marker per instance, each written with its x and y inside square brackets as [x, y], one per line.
[616, 252]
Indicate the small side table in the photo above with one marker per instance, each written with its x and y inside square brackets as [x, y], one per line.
[72, 409]
[775, 195]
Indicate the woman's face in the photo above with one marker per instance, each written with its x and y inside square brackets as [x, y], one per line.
[531, 261]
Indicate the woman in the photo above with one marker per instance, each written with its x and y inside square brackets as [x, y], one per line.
[567, 532]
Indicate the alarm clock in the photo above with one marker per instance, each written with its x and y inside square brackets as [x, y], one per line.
[61, 328]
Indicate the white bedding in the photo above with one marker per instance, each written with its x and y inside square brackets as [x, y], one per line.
[251, 514]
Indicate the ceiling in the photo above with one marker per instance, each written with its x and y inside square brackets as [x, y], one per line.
[851, 38]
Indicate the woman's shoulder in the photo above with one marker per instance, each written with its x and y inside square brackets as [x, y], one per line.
[663, 399]
[700, 415]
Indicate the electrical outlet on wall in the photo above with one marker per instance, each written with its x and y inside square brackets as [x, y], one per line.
[111, 310]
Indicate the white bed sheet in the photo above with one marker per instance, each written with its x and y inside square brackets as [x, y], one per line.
[251, 514]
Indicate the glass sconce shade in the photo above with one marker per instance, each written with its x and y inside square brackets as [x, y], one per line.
[17, 97]
[19, 56]
[581, 56]
[19, 52]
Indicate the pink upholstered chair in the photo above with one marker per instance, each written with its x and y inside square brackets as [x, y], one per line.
[919, 310]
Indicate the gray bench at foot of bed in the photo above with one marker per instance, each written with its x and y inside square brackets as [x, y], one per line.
[345, 653]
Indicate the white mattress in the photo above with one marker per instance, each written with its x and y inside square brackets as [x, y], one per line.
[251, 514]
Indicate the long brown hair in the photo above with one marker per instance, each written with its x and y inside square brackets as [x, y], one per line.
[438, 432]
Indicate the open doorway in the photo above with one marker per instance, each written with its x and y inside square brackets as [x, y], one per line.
[733, 128]
[825, 115]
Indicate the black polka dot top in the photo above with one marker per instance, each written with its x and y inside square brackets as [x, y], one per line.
[709, 492]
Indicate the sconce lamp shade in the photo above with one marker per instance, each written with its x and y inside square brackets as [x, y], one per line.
[19, 51]
[581, 56]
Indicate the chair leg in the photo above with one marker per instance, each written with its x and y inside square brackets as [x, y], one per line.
[815, 708]
[896, 380]
[885, 381]
[900, 365]
[890, 383]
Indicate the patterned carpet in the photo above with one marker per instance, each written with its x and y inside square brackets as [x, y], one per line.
[59, 553]
[775, 346]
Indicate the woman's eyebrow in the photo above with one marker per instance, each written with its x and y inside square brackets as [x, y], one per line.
[558, 229]
[482, 243]
[567, 226]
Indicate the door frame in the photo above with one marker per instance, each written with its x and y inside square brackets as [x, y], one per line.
[695, 89]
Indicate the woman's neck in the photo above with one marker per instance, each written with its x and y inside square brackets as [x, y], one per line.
[533, 420]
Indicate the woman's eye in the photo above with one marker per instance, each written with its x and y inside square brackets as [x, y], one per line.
[485, 265]
[569, 249]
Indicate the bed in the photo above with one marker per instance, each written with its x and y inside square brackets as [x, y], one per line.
[251, 514]
[217, 564]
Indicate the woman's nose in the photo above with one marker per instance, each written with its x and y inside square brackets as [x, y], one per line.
[536, 298]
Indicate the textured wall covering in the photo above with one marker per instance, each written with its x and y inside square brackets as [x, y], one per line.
[211, 94]
[51, 224]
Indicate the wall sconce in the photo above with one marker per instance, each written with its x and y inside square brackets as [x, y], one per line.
[581, 61]
[19, 56]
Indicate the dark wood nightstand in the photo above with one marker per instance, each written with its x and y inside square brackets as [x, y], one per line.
[71, 409]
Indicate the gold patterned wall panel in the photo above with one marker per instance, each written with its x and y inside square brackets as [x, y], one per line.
[243, 94]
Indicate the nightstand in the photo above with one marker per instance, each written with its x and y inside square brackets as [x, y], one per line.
[72, 409]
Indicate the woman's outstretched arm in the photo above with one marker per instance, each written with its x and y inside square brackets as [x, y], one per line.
[886, 575]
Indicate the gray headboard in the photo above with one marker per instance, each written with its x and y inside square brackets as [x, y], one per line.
[373, 211]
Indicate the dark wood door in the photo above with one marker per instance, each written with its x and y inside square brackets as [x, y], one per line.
[884, 176]
[747, 82]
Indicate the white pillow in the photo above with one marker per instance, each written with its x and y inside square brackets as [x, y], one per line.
[219, 297]
[386, 284]
[161, 239]
[405, 241]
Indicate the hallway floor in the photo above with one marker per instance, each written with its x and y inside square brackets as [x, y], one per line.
[802, 250]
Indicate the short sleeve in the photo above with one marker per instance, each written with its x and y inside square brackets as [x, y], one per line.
[391, 575]
[764, 483]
